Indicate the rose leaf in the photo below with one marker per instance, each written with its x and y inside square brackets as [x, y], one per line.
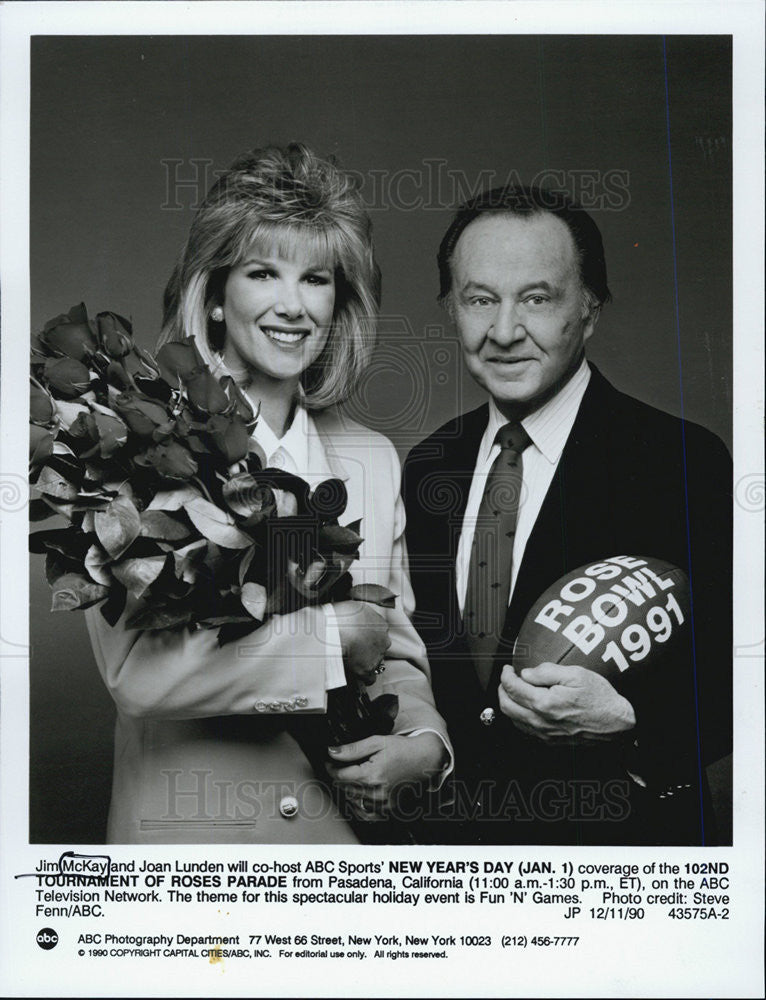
[76, 591]
[157, 524]
[138, 574]
[96, 561]
[118, 526]
[254, 600]
[215, 525]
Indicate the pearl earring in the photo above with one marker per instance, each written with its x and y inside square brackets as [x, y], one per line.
[216, 314]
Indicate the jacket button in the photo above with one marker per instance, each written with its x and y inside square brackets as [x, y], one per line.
[288, 806]
[487, 716]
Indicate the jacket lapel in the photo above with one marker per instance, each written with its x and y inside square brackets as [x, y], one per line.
[454, 480]
[440, 481]
[323, 444]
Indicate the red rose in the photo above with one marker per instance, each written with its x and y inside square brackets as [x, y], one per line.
[142, 415]
[40, 444]
[178, 360]
[70, 336]
[114, 333]
[41, 405]
[67, 375]
[229, 435]
[171, 460]
[206, 393]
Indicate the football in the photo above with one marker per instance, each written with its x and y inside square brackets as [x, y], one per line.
[608, 616]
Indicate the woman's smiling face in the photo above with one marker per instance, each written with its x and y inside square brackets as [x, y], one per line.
[278, 312]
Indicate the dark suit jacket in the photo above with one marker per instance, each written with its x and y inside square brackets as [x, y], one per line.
[632, 480]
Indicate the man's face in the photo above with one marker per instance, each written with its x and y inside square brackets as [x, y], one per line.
[518, 303]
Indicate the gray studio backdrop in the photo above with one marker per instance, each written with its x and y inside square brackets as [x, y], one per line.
[126, 134]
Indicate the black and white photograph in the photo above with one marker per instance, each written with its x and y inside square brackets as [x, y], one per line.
[392, 493]
[174, 215]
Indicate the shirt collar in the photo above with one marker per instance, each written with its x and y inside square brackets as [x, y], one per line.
[294, 443]
[548, 427]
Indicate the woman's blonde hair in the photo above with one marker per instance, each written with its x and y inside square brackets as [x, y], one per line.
[279, 199]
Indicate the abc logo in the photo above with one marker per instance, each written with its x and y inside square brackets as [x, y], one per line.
[47, 938]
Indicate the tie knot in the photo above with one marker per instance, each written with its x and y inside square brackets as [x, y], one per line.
[513, 436]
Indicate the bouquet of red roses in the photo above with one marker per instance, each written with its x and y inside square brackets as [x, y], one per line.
[150, 462]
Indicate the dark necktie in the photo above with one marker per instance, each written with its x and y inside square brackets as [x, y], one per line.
[489, 571]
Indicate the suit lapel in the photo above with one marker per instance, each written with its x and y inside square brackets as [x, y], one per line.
[329, 432]
[455, 477]
[442, 475]
[453, 455]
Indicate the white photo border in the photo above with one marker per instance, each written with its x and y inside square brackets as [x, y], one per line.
[738, 966]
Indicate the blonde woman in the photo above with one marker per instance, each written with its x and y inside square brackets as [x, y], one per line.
[278, 285]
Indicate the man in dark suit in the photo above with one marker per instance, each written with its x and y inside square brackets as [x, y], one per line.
[558, 754]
